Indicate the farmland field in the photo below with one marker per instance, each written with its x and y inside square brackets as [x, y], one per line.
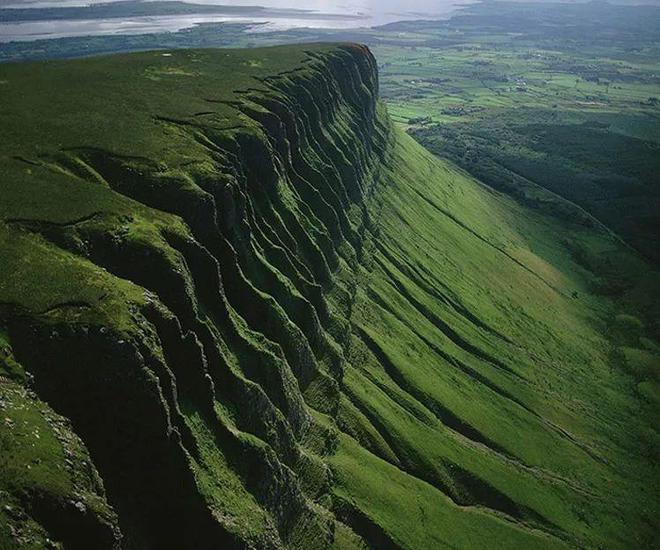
[540, 103]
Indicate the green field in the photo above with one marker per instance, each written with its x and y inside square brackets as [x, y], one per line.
[274, 320]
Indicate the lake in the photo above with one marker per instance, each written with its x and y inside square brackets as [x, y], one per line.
[320, 14]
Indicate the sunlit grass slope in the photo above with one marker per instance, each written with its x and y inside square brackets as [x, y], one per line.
[481, 357]
[274, 320]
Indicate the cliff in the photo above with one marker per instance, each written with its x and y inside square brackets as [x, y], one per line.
[248, 312]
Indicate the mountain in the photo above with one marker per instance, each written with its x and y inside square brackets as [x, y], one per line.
[240, 309]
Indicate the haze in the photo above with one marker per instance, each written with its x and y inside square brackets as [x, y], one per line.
[376, 9]
[324, 14]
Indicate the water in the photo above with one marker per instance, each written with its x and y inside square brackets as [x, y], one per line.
[341, 14]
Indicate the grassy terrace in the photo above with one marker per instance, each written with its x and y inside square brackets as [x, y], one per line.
[274, 319]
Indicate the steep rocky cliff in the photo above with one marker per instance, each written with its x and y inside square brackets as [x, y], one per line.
[246, 311]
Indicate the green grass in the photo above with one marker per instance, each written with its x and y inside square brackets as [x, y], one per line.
[46, 474]
[308, 331]
[422, 517]
[539, 431]
[525, 95]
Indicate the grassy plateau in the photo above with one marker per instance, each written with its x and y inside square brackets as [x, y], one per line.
[241, 308]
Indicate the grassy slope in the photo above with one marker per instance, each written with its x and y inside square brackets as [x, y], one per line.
[531, 97]
[545, 417]
[481, 402]
[44, 462]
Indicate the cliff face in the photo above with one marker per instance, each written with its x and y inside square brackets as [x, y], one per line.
[274, 321]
